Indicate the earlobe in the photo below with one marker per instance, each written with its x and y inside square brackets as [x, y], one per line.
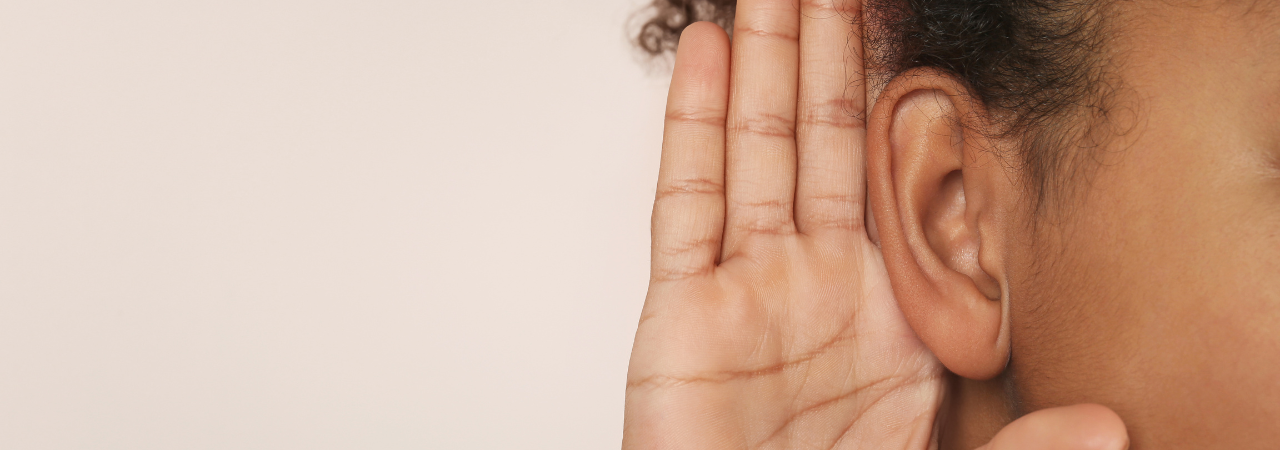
[935, 198]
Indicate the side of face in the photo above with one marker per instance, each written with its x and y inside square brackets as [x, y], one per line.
[1158, 291]
[1154, 288]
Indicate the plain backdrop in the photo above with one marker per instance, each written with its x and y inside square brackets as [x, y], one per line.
[337, 224]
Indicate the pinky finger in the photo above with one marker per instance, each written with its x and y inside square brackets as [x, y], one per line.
[688, 212]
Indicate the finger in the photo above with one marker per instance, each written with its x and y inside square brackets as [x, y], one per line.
[688, 211]
[760, 157]
[1077, 427]
[830, 131]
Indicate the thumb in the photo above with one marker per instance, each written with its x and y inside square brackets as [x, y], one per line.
[1076, 427]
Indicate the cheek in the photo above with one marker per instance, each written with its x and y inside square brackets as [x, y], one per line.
[1159, 298]
[1069, 321]
[1158, 292]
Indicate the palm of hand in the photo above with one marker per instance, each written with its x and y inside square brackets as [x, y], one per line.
[769, 320]
[798, 346]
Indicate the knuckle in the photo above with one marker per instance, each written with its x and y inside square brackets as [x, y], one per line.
[690, 186]
[696, 116]
[831, 7]
[788, 36]
[678, 247]
[846, 201]
[673, 274]
[830, 221]
[838, 113]
[764, 208]
[764, 124]
[763, 217]
[831, 211]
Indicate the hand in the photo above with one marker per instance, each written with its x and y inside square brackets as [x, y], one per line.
[769, 320]
[1076, 427]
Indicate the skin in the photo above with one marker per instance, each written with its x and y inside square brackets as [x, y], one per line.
[770, 321]
[1152, 286]
[1160, 296]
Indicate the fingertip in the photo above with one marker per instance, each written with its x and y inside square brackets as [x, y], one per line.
[701, 76]
[1075, 427]
[703, 41]
[1100, 428]
[703, 30]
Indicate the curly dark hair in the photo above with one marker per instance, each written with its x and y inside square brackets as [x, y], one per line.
[1039, 66]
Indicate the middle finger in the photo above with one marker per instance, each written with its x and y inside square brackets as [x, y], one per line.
[760, 159]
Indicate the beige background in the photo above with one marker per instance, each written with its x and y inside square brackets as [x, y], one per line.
[286, 224]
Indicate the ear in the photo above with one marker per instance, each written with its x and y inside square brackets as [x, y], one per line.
[937, 192]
